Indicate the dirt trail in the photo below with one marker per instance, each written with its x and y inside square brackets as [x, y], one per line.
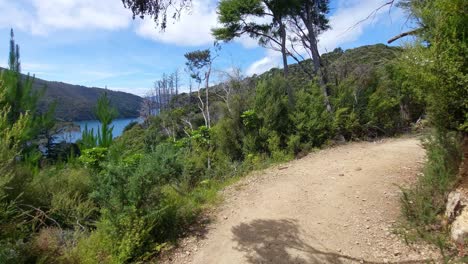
[334, 206]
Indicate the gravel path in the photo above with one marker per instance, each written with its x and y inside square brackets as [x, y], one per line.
[338, 205]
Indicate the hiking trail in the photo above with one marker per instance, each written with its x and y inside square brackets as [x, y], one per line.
[337, 205]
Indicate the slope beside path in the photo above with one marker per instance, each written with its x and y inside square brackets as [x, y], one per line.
[337, 205]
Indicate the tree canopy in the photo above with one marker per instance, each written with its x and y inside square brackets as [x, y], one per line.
[159, 10]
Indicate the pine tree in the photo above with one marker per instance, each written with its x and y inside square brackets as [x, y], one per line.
[19, 93]
[14, 56]
[105, 114]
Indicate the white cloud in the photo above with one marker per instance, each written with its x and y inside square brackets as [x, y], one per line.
[45, 16]
[247, 42]
[349, 21]
[272, 60]
[140, 91]
[13, 15]
[192, 29]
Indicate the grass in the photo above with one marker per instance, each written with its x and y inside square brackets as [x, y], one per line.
[423, 204]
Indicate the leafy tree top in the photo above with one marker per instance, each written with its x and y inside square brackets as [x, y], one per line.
[14, 56]
[196, 61]
[104, 111]
[257, 18]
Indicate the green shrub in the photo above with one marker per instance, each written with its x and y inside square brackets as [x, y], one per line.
[227, 137]
[129, 143]
[271, 106]
[62, 192]
[134, 206]
[312, 123]
[426, 200]
[13, 228]
[54, 245]
[94, 157]
[130, 126]
[294, 144]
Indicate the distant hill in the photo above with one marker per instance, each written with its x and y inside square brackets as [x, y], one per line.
[77, 103]
[358, 66]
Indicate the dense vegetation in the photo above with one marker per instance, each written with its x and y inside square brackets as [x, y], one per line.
[76, 103]
[436, 64]
[126, 200]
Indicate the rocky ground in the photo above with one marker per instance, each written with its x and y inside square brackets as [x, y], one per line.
[338, 205]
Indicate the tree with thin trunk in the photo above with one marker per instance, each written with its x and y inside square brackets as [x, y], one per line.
[264, 20]
[307, 21]
[199, 64]
[229, 86]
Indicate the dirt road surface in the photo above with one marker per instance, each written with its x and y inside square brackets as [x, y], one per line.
[337, 205]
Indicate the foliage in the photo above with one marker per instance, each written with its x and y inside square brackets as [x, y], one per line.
[125, 200]
[130, 126]
[439, 71]
[88, 138]
[77, 103]
[196, 62]
[444, 60]
[93, 157]
[11, 217]
[423, 203]
[63, 193]
[312, 122]
[129, 143]
[271, 106]
[157, 9]
[132, 198]
[233, 13]
[105, 113]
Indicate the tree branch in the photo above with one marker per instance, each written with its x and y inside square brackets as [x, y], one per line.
[373, 13]
[404, 34]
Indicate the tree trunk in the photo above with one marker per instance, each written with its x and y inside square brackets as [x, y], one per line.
[207, 98]
[316, 60]
[405, 114]
[284, 54]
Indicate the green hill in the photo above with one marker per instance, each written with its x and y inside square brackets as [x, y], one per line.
[76, 102]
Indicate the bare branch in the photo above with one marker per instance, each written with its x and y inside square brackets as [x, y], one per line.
[372, 14]
[404, 34]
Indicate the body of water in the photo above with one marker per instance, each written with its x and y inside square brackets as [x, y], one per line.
[119, 125]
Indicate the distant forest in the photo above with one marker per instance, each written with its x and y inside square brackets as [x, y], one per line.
[77, 103]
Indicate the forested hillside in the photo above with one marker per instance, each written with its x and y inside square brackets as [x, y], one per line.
[76, 102]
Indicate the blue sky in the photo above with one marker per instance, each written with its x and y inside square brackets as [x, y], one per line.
[97, 43]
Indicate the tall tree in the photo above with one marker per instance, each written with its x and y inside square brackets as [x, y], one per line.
[105, 113]
[20, 95]
[263, 20]
[308, 20]
[14, 56]
[442, 28]
[199, 64]
[20, 98]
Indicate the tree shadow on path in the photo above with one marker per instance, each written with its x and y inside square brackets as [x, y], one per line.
[278, 241]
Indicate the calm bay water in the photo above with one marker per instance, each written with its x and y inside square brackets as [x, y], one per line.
[119, 125]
